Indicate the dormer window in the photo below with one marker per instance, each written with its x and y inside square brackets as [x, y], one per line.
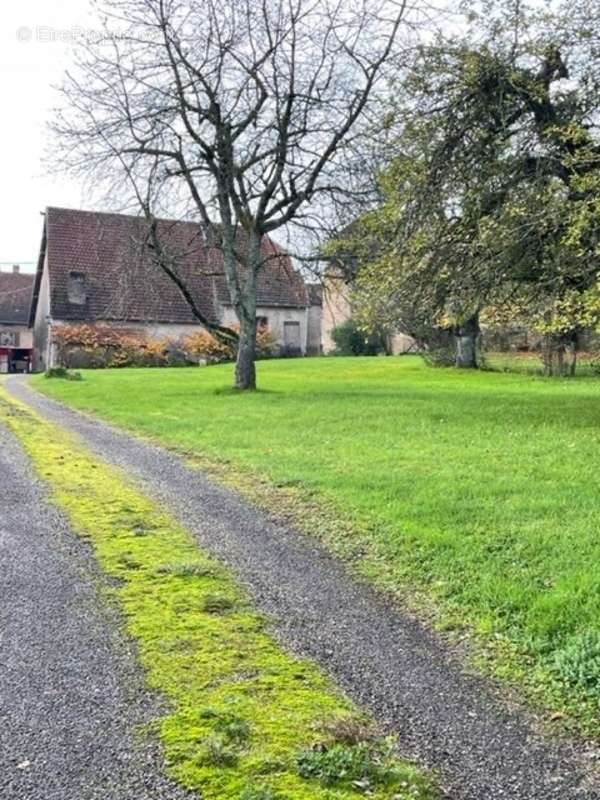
[76, 288]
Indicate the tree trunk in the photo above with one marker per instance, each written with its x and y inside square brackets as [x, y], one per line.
[555, 349]
[465, 338]
[573, 366]
[245, 366]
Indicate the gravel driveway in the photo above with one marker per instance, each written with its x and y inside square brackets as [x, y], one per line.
[385, 660]
[71, 694]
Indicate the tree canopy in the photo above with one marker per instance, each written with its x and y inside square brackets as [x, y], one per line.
[492, 197]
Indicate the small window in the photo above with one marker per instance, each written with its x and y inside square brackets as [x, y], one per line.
[262, 324]
[9, 339]
[76, 288]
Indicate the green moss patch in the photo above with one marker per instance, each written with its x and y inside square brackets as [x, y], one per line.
[247, 720]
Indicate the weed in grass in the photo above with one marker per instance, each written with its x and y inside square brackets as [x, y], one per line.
[219, 752]
[579, 662]
[365, 766]
[260, 793]
[64, 373]
[208, 713]
[129, 562]
[187, 570]
[349, 730]
[234, 729]
[217, 603]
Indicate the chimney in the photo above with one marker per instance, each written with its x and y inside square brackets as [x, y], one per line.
[16, 269]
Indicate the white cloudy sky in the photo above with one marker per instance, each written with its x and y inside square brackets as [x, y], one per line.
[32, 58]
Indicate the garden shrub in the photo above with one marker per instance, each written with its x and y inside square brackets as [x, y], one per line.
[64, 373]
[98, 346]
[101, 346]
[267, 345]
[57, 372]
[438, 347]
[350, 340]
[204, 346]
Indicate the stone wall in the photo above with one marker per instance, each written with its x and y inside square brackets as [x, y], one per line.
[276, 319]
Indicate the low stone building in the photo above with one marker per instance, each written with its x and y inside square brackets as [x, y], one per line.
[16, 338]
[96, 268]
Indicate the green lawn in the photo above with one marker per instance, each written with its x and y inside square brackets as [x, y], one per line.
[480, 489]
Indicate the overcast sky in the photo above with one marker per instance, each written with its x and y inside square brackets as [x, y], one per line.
[32, 58]
[35, 41]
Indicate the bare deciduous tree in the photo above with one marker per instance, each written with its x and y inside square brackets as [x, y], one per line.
[236, 113]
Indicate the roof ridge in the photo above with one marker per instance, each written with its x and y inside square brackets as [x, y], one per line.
[174, 220]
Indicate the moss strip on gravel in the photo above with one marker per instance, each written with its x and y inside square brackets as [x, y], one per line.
[248, 720]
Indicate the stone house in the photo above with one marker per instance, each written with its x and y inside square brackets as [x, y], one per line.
[337, 308]
[16, 338]
[96, 268]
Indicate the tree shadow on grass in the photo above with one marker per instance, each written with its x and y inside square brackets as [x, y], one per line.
[231, 391]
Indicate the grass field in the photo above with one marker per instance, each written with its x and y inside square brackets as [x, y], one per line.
[479, 490]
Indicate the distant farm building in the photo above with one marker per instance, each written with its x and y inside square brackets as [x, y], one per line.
[16, 338]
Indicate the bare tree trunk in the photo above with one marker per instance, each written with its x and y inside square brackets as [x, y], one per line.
[245, 308]
[465, 337]
[245, 365]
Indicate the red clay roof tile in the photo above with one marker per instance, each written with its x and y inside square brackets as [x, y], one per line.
[122, 283]
[15, 297]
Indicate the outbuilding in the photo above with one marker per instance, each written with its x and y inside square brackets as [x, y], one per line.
[96, 268]
[15, 335]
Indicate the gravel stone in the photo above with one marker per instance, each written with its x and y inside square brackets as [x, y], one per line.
[446, 719]
[72, 697]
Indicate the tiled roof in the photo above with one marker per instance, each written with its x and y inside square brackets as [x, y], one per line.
[15, 297]
[121, 282]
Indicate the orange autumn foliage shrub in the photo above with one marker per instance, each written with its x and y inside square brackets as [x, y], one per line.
[97, 346]
[203, 345]
[81, 346]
